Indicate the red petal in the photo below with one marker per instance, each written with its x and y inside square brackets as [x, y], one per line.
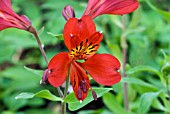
[58, 66]
[103, 68]
[7, 12]
[80, 81]
[4, 24]
[78, 28]
[119, 7]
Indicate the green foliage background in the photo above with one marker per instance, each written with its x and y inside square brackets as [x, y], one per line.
[148, 69]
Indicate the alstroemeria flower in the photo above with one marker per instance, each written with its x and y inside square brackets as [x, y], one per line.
[83, 41]
[119, 7]
[9, 19]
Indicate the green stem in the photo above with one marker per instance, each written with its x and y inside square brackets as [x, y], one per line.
[124, 51]
[65, 94]
[43, 53]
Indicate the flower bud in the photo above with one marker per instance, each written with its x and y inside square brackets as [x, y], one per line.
[68, 12]
[45, 76]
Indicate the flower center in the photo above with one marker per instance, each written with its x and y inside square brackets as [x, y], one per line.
[83, 50]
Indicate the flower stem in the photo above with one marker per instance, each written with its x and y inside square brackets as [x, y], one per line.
[33, 31]
[124, 51]
[41, 47]
[65, 94]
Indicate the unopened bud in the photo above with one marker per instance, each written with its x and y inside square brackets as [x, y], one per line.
[45, 76]
[26, 19]
[68, 12]
[94, 95]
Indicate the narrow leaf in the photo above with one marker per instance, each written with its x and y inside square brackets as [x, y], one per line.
[111, 102]
[46, 94]
[59, 36]
[74, 104]
[137, 81]
[146, 101]
[142, 68]
[37, 72]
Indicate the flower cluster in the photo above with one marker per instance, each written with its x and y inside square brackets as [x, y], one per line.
[83, 41]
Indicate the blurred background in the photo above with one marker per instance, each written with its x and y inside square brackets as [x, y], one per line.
[148, 58]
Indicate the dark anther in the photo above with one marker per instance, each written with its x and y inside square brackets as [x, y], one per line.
[84, 88]
[72, 50]
[86, 40]
[94, 95]
[79, 93]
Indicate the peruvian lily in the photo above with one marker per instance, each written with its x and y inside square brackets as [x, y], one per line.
[118, 7]
[9, 19]
[83, 41]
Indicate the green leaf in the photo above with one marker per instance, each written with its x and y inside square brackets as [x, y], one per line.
[59, 36]
[137, 81]
[142, 68]
[146, 101]
[74, 104]
[111, 102]
[42, 94]
[165, 101]
[37, 72]
[166, 15]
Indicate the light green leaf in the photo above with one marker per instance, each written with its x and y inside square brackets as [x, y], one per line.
[37, 72]
[74, 104]
[42, 94]
[146, 101]
[137, 81]
[59, 36]
[142, 68]
[111, 102]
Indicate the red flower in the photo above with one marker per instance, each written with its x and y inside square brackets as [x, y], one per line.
[9, 19]
[118, 7]
[82, 40]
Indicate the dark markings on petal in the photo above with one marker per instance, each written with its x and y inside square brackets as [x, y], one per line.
[90, 44]
[76, 48]
[81, 44]
[86, 40]
[79, 20]
[92, 51]
[95, 45]
[74, 82]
